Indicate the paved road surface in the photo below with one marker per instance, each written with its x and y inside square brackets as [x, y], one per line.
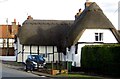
[9, 73]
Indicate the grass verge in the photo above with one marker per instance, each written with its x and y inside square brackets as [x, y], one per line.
[78, 76]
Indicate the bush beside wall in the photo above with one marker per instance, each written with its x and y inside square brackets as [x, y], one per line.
[104, 59]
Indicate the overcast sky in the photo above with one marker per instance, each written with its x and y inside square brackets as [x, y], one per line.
[52, 9]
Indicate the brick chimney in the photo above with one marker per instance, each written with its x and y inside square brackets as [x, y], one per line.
[14, 22]
[29, 17]
[88, 3]
[14, 28]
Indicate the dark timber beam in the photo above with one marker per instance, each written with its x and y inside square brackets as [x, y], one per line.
[38, 50]
[22, 53]
[30, 49]
[46, 51]
[53, 53]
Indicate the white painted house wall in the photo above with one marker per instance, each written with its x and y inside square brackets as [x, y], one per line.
[88, 38]
[34, 50]
[1, 42]
[71, 54]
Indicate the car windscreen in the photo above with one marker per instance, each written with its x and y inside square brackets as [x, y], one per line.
[38, 58]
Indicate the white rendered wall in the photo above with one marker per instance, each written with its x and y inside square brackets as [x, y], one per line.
[11, 42]
[70, 54]
[34, 49]
[89, 36]
[42, 49]
[1, 42]
[8, 58]
[18, 50]
[18, 46]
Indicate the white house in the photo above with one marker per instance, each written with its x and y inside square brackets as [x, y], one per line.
[91, 27]
[62, 40]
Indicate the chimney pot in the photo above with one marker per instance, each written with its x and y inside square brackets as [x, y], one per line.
[80, 11]
[76, 16]
[88, 0]
[14, 23]
[15, 20]
[88, 3]
[29, 17]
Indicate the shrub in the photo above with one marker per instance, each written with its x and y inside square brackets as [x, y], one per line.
[103, 59]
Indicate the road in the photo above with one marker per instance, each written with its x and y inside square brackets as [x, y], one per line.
[9, 73]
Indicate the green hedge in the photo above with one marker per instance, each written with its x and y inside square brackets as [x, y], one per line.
[103, 59]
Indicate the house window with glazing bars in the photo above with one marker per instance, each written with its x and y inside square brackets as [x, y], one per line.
[98, 36]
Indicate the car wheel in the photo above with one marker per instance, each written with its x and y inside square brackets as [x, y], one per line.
[24, 68]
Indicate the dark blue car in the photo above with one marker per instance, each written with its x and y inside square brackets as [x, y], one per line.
[34, 62]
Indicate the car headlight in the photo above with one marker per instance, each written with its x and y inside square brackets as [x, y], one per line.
[44, 63]
[34, 62]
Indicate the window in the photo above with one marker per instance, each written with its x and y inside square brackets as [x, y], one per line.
[98, 36]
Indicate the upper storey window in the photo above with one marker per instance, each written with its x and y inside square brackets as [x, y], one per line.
[98, 36]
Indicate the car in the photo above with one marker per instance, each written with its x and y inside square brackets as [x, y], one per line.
[34, 62]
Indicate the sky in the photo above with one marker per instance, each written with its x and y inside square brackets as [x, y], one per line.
[52, 9]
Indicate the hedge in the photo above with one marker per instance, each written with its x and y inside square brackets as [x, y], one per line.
[104, 59]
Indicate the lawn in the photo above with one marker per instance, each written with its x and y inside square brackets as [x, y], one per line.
[78, 76]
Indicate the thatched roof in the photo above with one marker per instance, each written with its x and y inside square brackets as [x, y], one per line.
[44, 32]
[63, 33]
[91, 18]
[119, 31]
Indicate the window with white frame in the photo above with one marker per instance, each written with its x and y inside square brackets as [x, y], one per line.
[98, 36]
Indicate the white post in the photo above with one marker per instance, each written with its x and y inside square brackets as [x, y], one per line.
[7, 52]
